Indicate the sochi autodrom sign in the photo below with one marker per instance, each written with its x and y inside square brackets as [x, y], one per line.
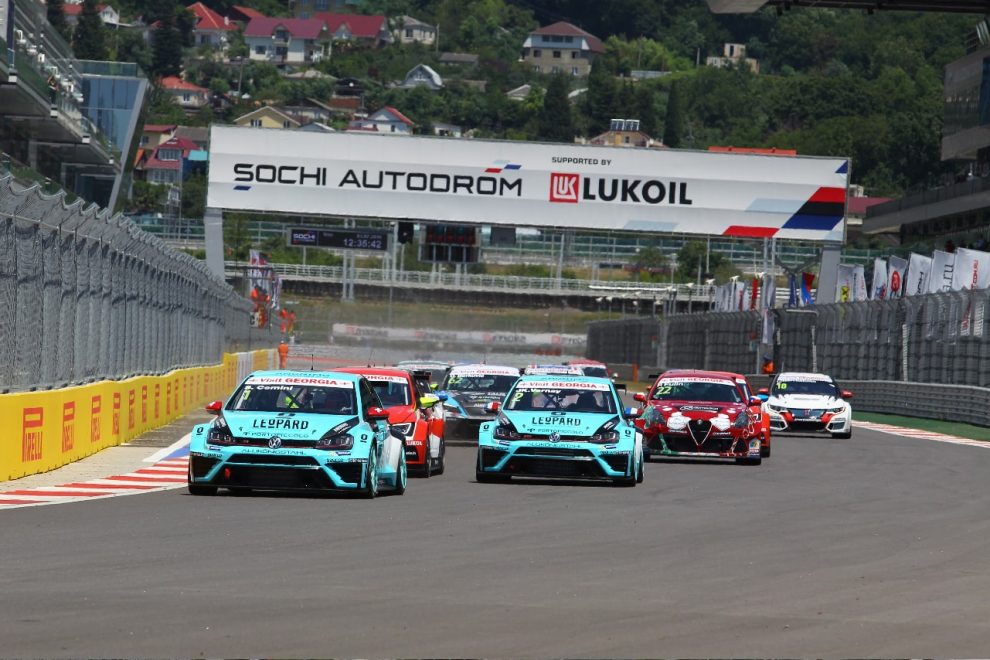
[527, 184]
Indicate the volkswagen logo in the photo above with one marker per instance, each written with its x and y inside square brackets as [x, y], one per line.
[555, 436]
[274, 442]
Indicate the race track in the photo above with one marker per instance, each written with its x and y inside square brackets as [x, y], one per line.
[875, 546]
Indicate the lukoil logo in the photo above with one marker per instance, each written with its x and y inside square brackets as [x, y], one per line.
[564, 187]
[571, 188]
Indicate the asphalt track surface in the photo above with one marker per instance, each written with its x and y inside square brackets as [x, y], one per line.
[875, 546]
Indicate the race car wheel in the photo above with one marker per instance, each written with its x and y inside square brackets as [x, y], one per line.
[627, 482]
[196, 489]
[842, 436]
[764, 451]
[639, 477]
[749, 461]
[647, 457]
[371, 474]
[427, 470]
[402, 475]
[442, 461]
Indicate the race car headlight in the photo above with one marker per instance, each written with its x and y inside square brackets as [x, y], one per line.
[742, 421]
[607, 432]
[776, 409]
[219, 433]
[403, 429]
[335, 441]
[505, 429]
[836, 411]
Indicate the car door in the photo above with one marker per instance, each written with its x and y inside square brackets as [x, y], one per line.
[384, 441]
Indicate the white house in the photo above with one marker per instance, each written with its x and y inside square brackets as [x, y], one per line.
[422, 75]
[411, 30]
[288, 40]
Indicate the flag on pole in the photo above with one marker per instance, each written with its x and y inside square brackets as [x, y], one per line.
[895, 277]
[879, 279]
[940, 278]
[859, 283]
[971, 270]
[845, 284]
[918, 272]
[807, 282]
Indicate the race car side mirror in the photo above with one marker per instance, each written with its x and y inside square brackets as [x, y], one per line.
[639, 396]
[442, 396]
[428, 400]
[376, 414]
[434, 386]
[214, 408]
[493, 406]
[755, 400]
[631, 413]
[763, 396]
[846, 394]
[764, 390]
[620, 386]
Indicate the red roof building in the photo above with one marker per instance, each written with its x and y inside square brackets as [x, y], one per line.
[287, 40]
[243, 15]
[188, 95]
[359, 27]
[211, 28]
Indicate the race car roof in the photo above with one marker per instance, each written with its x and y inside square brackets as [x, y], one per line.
[371, 372]
[585, 362]
[302, 377]
[698, 373]
[803, 375]
[422, 364]
[485, 369]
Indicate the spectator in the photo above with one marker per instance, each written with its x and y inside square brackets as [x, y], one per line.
[283, 354]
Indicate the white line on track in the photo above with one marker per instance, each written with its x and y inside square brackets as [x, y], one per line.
[922, 435]
[171, 449]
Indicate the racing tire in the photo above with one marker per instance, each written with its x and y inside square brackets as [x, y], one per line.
[639, 476]
[626, 482]
[842, 436]
[427, 470]
[647, 458]
[370, 490]
[195, 489]
[483, 477]
[442, 461]
[402, 475]
[749, 461]
[764, 452]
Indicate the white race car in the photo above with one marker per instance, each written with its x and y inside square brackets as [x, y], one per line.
[808, 402]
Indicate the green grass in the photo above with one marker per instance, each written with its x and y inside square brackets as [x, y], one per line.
[933, 425]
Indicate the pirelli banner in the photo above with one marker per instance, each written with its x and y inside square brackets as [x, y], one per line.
[527, 184]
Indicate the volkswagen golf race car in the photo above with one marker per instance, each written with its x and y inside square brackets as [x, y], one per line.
[300, 431]
[468, 389]
[552, 370]
[570, 427]
[808, 402]
[415, 416]
[699, 414]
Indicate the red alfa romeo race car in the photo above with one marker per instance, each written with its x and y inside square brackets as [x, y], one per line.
[414, 414]
[700, 414]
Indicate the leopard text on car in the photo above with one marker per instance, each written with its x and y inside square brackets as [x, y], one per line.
[699, 414]
[415, 415]
[298, 430]
[808, 402]
[552, 370]
[469, 389]
[570, 427]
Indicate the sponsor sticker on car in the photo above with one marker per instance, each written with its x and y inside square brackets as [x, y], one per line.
[542, 385]
[300, 380]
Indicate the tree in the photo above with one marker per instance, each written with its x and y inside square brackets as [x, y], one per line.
[146, 197]
[131, 47]
[194, 196]
[673, 126]
[166, 57]
[56, 16]
[646, 110]
[88, 42]
[555, 123]
[600, 99]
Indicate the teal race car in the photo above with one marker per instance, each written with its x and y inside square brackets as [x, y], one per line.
[570, 427]
[298, 431]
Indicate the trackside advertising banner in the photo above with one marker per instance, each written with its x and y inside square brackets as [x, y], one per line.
[527, 184]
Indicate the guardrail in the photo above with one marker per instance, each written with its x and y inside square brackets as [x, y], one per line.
[487, 283]
[86, 296]
[927, 356]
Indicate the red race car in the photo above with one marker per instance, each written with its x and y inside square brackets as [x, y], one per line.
[414, 414]
[700, 414]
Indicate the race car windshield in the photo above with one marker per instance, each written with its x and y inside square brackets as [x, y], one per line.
[595, 372]
[491, 383]
[696, 391]
[392, 394]
[567, 399]
[806, 387]
[294, 398]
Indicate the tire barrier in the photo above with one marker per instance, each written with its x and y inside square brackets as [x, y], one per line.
[46, 430]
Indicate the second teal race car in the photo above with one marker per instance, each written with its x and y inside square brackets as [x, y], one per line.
[298, 431]
[570, 427]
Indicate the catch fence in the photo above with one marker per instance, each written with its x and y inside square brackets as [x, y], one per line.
[934, 338]
[86, 295]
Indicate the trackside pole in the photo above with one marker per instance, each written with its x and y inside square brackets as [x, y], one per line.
[828, 275]
[213, 233]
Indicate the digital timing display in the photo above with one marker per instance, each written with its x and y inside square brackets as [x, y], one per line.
[353, 239]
